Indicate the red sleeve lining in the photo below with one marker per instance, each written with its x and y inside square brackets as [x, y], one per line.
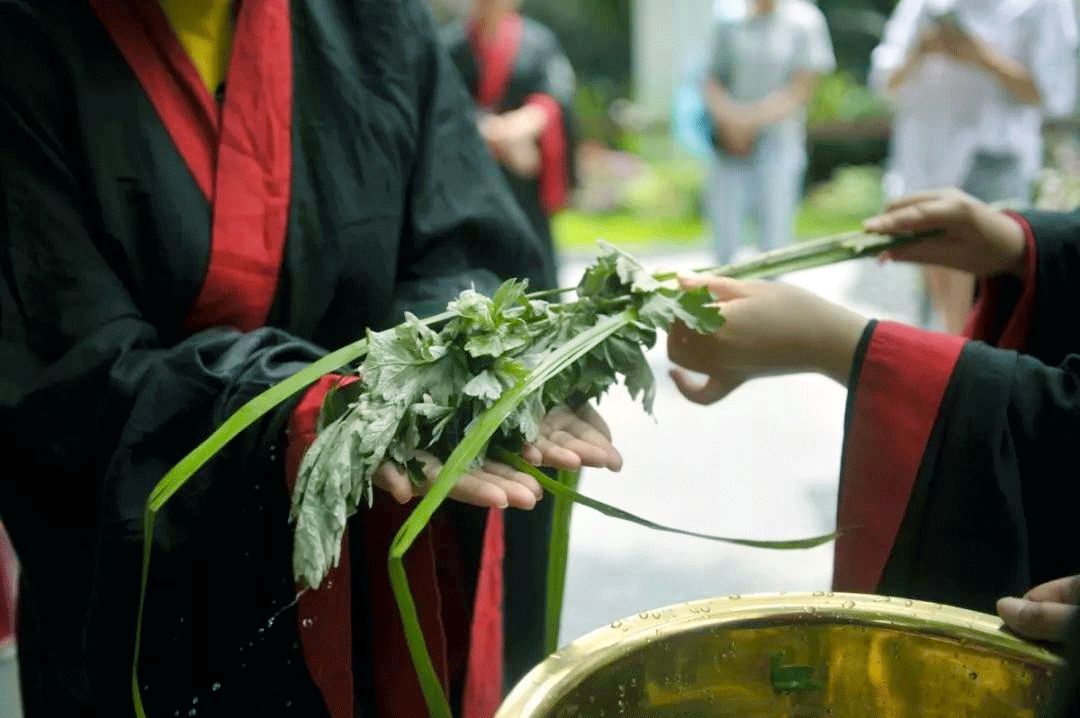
[984, 322]
[898, 396]
[554, 171]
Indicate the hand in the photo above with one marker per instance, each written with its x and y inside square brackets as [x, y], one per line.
[769, 328]
[931, 41]
[568, 440]
[512, 138]
[961, 46]
[737, 137]
[976, 238]
[1044, 613]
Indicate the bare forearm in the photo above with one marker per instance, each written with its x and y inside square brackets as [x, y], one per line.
[1012, 75]
[901, 74]
[719, 103]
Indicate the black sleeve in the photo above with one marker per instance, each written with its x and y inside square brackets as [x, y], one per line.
[464, 227]
[1054, 332]
[95, 407]
[986, 517]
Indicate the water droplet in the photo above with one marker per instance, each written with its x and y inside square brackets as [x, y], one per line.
[195, 701]
[734, 597]
[329, 585]
[288, 704]
[695, 610]
[830, 594]
[307, 622]
[810, 609]
[633, 681]
[883, 599]
[616, 624]
[216, 687]
[973, 676]
[819, 593]
[262, 630]
[656, 614]
[849, 604]
[706, 609]
[193, 712]
[643, 615]
[909, 603]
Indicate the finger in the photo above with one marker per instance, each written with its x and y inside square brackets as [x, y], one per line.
[393, 480]
[915, 198]
[911, 218]
[556, 456]
[572, 424]
[471, 489]
[693, 351]
[1040, 621]
[518, 496]
[1061, 590]
[591, 415]
[533, 455]
[709, 392]
[589, 454]
[509, 473]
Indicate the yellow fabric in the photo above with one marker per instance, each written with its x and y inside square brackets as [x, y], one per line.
[205, 29]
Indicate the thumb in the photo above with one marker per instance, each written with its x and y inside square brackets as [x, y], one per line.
[1040, 621]
[723, 288]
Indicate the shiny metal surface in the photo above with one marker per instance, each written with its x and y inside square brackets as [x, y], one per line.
[818, 654]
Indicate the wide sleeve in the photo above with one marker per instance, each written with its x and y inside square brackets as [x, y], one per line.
[96, 405]
[1032, 314]
[463, 227]
[555, 97]
[950, 486]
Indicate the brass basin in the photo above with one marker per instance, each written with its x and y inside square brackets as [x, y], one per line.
[820, 654]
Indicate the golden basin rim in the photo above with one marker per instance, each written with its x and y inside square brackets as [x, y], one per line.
[570, 665]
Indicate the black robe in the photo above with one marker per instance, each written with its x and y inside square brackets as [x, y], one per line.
[525, 64]
[959, 451]
[353, 186]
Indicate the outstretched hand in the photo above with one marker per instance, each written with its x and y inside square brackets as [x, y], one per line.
[769, 328]
[568, 440]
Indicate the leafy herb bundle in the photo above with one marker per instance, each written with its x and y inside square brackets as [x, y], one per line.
[422, 389]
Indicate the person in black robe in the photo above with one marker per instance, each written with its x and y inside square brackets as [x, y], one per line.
[523, 87]
[165, 255]
[953, 445]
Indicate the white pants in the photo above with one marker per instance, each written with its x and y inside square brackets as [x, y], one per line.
[764, 186]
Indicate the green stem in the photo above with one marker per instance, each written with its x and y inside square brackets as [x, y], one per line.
[460, 460]
[558, 550]
[568, 493]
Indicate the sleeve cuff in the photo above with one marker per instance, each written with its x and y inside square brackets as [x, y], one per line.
[554, 167]
[892, 410]
[1000, 318]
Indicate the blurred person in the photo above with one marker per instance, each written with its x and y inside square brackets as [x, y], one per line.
[764, 61]
[197, 199]
[957, 451]
[523, 87]
[971, 81]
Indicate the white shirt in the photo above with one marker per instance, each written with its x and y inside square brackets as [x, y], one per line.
[947, 112]
[755, 55]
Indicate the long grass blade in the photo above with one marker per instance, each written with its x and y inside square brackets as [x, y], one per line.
[459, 461]
[558, 550]
[558, 489]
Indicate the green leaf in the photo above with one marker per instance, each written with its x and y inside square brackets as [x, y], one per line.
[484, 386]
[698, 311]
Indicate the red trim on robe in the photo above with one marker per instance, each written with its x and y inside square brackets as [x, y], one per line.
[554, 173]
[8, 590]
[903, 379]
[982, 324]
[324, 615]
[142, 34]
[495, 57]
[240, 156]
[483, 682]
